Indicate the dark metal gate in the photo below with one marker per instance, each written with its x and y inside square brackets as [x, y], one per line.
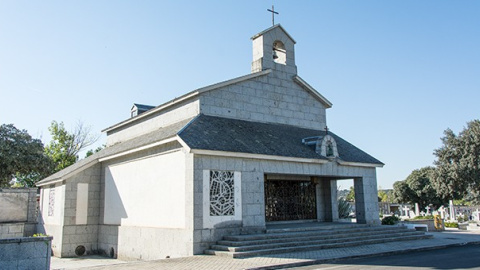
[289, 200]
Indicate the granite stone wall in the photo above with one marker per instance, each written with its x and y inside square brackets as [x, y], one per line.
[253, 173]
[25, 253]
[274, 98]
[18, 212]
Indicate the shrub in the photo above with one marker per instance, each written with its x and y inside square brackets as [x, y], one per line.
[390, 220]
[344, 208]
[451, 224]
[423, 217]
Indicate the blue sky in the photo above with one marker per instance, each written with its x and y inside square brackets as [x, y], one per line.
[397, 72]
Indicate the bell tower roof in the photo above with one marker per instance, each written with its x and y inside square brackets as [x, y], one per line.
[271, 28]
[274, 48]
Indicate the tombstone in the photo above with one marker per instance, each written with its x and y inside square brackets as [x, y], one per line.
[417, 209]
[412, 214]
[451, 210]
[406, 211]
[442, 211]
[422, 213]
[476, 215]
[428, 210]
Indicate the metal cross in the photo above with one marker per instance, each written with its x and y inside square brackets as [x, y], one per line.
[273, 14]
[326, 130]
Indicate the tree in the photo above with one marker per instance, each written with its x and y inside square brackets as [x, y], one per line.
[21, 157]
[384, 195]
[458, 164]
[65, 146]
[351, 195]
[418, 188]
[91, 151]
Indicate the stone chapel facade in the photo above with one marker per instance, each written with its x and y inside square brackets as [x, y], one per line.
[225, 159]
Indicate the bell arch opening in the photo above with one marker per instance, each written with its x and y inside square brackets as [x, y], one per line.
[279, 53]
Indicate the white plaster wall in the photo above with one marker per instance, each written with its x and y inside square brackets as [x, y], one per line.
[147, 192]
[82, 204]
[161, 119]
[274, 98]
[58, 213]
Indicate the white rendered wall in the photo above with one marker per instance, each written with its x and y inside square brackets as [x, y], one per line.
[149, 124]
[148, 192]
[57, 218]
[82, 204]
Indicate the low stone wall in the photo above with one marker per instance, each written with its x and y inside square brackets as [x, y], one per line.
[14, 230]
[25, 253]
[429, 222]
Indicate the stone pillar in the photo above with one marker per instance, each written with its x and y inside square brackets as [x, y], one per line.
[366, 200]
[327, 204]
[334, 200]
[320, 200]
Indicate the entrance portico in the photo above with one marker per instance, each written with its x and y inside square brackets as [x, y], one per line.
[297, 198]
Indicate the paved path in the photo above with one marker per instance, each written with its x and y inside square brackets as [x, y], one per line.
[440, 240]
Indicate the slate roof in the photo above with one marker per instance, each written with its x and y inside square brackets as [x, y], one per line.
[143, 107]
[224, 134]
[231, 135]
[149, 138]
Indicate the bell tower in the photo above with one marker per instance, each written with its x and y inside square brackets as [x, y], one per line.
[274, 49]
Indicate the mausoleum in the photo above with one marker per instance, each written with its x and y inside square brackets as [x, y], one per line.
[224, 159]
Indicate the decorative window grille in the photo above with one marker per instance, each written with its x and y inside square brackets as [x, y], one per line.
[51, 201]
[222, 193]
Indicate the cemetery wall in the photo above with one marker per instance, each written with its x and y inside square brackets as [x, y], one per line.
[18, 212]
[25, 253]
[274, 98]
[252, 192]
[181, 111]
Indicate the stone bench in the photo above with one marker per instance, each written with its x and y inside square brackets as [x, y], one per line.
[418, 227]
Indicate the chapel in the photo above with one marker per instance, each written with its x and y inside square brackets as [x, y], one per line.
[228, 158]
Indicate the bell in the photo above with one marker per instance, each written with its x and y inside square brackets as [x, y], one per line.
[275, 56]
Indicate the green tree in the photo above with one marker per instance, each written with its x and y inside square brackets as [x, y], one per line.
[351, 195]
[65, 146]
[418, 188]
[384, 195]
[21, 157]
[458, 164]
[91, 151]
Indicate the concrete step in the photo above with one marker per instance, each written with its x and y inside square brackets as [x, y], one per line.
[293, 234]
[270, 243]
[314, 227]
[250, 253]
[304, 237]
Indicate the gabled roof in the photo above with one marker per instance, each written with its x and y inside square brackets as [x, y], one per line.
[312, 91]
[135, 144]
[188, 96]
[142, 107]
[270, 29]
[231, 135]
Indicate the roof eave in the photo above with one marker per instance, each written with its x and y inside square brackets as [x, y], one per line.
[312, 90]
[188, 96]
[360, 164]
[55, 179]
[272, 27]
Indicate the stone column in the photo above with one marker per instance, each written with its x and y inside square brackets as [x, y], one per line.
[334, 200]
[327, 204]
[319, 186]
[366, 200]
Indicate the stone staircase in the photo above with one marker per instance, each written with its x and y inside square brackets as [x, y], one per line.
[283, 239]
